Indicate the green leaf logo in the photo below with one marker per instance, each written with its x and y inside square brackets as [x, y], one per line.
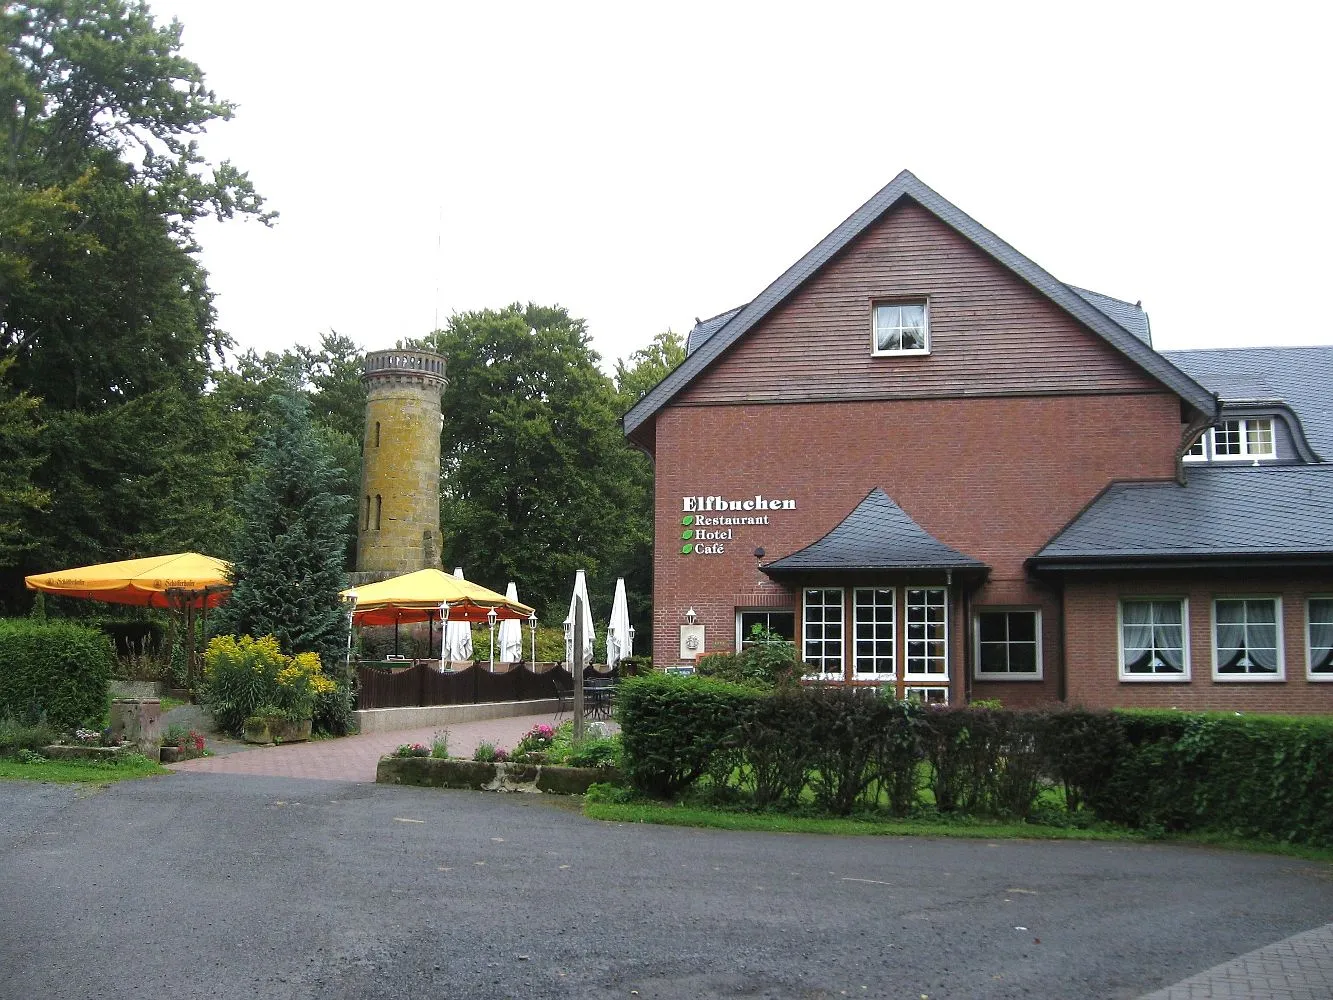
[687, 533]
[686, 549]
[687, 519]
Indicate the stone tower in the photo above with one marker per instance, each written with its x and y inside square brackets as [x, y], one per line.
[398, 529]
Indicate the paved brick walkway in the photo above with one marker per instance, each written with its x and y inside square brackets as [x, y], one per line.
[1298, 968]
[353, 758]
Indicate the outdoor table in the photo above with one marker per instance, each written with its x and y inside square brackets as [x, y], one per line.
[600, 697]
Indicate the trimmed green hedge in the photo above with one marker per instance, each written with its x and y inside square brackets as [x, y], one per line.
[1261, 777]
[54, 670]
[672, 727]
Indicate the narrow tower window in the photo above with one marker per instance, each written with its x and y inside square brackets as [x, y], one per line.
[367, 511]
[379, 507]
[377, 433]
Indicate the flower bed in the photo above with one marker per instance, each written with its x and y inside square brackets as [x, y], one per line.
[501, 776]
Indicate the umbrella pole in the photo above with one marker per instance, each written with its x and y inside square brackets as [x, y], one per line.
[396, 619]
[430, 635]
[577, 665]
[190, 664]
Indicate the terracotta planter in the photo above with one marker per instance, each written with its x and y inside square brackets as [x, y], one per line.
[275, 730]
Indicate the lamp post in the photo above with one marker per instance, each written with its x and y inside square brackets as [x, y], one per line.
[490, 620]
[631, 640]
[532, 627]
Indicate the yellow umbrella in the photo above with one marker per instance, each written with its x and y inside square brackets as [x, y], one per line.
[186, 579]
[416, 597]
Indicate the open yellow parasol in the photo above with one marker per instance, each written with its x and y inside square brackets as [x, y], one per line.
[417, 597]
[183, 580]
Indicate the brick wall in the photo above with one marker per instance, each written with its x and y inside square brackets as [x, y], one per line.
[1093, 646]
[992, 477]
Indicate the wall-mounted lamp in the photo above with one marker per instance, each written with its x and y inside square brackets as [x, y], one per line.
[759, 552]
[691, 617]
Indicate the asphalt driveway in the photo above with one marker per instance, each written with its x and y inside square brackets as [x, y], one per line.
[245, 886]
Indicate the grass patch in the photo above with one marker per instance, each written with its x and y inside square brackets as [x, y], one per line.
[666, 814]
[168, 703]
[73, 771]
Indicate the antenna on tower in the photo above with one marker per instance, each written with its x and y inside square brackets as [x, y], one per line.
[439, 242]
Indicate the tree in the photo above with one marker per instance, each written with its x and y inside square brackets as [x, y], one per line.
[287, 561]
[19, 456]
[635, 376]
[534, 484]
[104, 310]
[647, 366]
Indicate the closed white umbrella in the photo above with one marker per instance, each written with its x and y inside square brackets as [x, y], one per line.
[457, 635]
[619, 635]
[580, 593]
[511, 632]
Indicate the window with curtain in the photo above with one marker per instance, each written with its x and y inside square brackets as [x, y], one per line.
[1152, 640]
[1245, 637]
[1248, 438]
[1320, 639]
[900, 328]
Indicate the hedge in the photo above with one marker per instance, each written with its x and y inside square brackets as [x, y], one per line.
[842, 748]
[54, 670]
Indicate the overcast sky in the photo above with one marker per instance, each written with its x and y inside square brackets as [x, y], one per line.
[642, 165]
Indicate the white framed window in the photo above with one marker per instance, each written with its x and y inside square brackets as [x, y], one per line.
[1008, 644]
[822, 631]
[1198, 451]
[927, 695]
[1237, 440]
[1319, 638]
[873, 640]
[901, 328]
[777, 621]
[927, 633]
[1247, 639]
[1154, 639]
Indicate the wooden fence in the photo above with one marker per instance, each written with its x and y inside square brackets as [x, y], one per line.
[419, 686]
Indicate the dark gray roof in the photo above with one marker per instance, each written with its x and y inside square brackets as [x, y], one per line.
[1300, 377]
[877, 535]
[705, 328]
[1128, 314]
[1271, 512]
[906, 185]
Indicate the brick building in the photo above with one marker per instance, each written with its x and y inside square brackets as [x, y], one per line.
[937, 466]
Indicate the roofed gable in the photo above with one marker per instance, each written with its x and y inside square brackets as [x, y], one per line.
[903, 190]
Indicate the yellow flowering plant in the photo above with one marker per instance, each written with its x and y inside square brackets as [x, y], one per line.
[242, 674]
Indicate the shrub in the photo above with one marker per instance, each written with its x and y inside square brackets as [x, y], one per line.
[672, 726]
[334, 711]
[535, 744]
[850, 733]
[984, 762]
[768, 661]
[55, 671]
[600, 751]
[412, 750]
[1079, 749]
[775, 751]
[439, 745]
[16, 735]
[488, 753]
[243, 674]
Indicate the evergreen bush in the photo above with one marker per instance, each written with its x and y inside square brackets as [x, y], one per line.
[54, 670]
[672, 726]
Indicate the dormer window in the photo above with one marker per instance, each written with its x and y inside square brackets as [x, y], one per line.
[1250, 438]
[901, 328]
[1234, 441]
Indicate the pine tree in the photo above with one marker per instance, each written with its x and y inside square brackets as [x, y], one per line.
[288, 559]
